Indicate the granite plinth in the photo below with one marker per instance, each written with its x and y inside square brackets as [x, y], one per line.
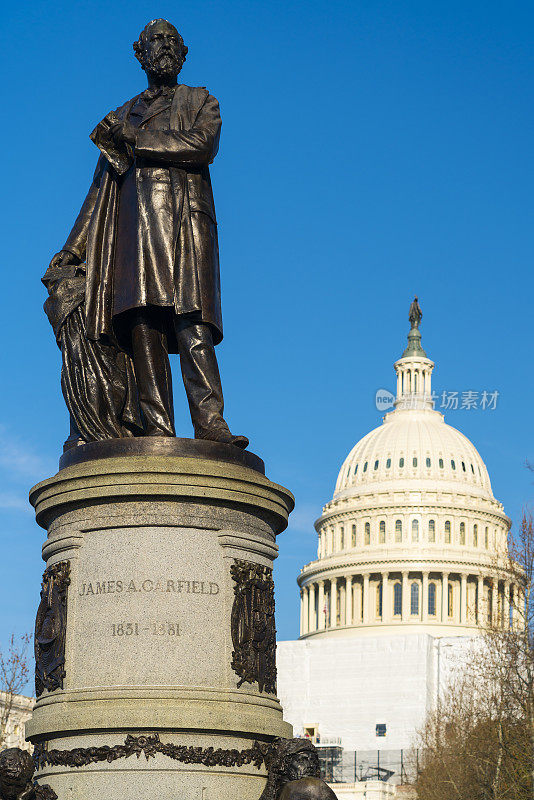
[150, 538]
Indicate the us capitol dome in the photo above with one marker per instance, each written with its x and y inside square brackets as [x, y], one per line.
[411, 564]
[410, 536]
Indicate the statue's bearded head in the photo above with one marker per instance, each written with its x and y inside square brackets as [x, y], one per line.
[302, 764]
[16, 770]
[290, 760]
[160, 50]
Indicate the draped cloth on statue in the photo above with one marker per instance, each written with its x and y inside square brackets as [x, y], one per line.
[97, 379]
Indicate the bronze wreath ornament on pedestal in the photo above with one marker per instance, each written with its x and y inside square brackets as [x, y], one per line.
[253, 625]
[51, 628]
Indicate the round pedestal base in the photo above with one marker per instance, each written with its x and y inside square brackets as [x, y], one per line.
[155, 633]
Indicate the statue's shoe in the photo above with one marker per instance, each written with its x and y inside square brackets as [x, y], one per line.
[240, 441]
[224, 436]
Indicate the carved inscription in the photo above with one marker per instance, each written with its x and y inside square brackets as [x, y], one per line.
[138, 629]
[50, 629]
[148, 586]
[253, 627]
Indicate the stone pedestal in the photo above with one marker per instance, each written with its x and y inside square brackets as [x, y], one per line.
[154, 635]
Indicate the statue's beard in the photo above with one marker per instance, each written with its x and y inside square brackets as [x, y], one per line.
[162, 66]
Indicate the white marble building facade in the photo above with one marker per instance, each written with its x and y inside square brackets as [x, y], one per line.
[21, 711]
[411, 564]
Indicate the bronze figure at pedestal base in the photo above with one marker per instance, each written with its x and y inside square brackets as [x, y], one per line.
[293, 772]
[16, 773]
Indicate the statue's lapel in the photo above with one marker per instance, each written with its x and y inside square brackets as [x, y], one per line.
[124, 111]
[155, 108]
[186, 104]
[179, 108]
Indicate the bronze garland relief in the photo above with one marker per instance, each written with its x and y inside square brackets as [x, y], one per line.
[51, 628]
[292, 764]
[253, 625]
[149, 746]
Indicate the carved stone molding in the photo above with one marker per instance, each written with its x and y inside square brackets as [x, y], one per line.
[149, 746]
[51, 628]
[253, 625]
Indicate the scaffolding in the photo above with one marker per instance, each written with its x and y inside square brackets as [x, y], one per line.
[350, 766]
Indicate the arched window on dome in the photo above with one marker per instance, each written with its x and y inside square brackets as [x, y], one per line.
[463, 466]
[401, 462]
[453, 464]
[428, 463]
[355, 470]
[398, 530]
[414, 598]
[367, 533]
[450, 607]
[431, 599]
[379, 594]
[332, 539]
[414, 461]
[472, 469]
[354, 535]
[388, 463]
[415, 530]
[441, 464]
[342, 538]
[486, 538]
[382, 532]
[462, 532]
[365, 467]
[475, 535]
[447, 532]
[397, 600]
[432, 530]
[376, 464]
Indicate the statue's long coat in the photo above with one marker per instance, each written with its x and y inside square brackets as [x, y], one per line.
[186, 148]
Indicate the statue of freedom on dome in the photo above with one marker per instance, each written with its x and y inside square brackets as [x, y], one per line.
[416, 315]
[138, 277]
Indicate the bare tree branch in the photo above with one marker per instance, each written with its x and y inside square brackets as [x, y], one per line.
[14, 674]
[479, 743]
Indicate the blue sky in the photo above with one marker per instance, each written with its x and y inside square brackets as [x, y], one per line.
[370, 151]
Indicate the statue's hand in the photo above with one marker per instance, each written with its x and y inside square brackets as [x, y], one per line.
[64, 259]
[123, 132]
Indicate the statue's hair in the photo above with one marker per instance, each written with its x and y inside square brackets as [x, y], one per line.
[140, 44]
[24, 758]
[279, 762]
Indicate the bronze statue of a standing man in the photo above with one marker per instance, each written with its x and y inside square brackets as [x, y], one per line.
[147, 232]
